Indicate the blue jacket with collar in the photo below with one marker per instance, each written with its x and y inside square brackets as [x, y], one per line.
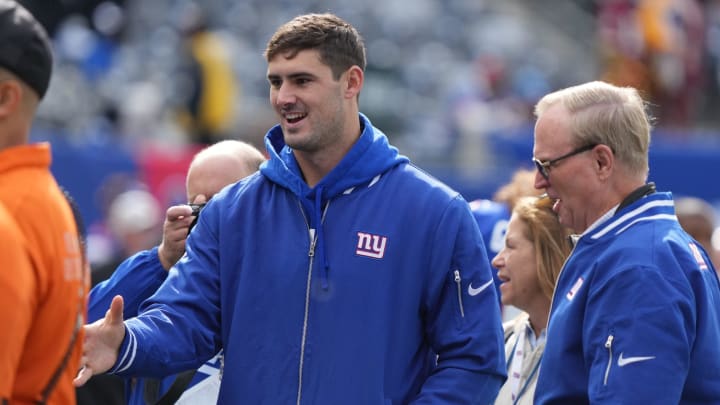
[635, 317]
[371, 288]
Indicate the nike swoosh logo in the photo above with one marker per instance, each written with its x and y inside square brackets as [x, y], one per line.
[475, 291]
[624, 361]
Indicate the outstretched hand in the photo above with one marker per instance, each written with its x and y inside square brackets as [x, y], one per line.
[102, 342]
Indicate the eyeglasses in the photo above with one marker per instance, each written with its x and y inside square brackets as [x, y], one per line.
[544, 166]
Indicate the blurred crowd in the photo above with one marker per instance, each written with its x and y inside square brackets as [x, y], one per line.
[441, 71]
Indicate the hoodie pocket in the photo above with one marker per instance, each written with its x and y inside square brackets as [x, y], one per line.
[458, 283]
[608, 347]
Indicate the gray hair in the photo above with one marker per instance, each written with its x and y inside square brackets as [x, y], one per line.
[602, 113]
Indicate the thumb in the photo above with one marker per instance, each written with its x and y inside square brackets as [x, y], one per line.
[114, 315]
[83, 376]
[200, 199]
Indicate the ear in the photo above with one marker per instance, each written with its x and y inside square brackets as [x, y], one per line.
[354, 81]
[10, 96]
[604, 161]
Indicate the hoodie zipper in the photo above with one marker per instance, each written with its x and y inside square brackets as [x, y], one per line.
[458, 281]
[311, 255]
[608, 345]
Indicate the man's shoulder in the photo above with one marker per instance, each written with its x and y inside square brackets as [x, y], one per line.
[250, 184]
[408, 177]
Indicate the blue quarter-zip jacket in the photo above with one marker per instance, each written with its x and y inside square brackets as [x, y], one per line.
[371, 288]
[635, 317]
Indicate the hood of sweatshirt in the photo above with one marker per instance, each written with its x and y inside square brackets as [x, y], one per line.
[370, 157]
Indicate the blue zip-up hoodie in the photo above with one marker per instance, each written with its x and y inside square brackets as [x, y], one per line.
[371, 288]
[635, 317]
[136, 279]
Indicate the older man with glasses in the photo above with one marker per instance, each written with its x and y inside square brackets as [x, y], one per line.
[635, 317]
[543, 166]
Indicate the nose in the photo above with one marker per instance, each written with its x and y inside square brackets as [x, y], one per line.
[284, 95]
[540, 181]
[497, 261]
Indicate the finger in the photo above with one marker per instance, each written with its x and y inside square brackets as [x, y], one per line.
[114, 315]
[178, 224]
[178, 211]
[175, 238]
[83, 376]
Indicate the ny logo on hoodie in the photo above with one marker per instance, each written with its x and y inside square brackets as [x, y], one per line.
[371, 245]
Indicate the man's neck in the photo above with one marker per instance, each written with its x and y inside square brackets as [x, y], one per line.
[10, 138]
[316, 165]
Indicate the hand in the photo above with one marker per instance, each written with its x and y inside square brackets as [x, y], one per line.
[175, 231]
[102, 342]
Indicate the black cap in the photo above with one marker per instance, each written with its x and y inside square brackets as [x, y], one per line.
[24, 46]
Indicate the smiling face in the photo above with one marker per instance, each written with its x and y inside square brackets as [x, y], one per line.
[572, 182]
[312, 106]
[517, 267]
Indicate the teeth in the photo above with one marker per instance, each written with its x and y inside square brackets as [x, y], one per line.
[294, 116]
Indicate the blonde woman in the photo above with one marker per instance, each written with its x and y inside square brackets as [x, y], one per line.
[536, 246]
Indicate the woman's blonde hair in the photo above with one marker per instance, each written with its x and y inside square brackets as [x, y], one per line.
[550, 239]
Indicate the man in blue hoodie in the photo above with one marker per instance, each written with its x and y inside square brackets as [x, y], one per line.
[339, 274]
[635, 318]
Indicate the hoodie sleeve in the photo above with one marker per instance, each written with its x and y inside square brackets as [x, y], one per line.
[462, 316]
[135, 279]
[177, 328]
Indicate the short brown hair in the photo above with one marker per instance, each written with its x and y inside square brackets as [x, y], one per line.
[339, 43]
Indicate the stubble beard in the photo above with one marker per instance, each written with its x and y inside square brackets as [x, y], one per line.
[319, 136]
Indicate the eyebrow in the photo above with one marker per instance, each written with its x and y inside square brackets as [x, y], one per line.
[291, 76]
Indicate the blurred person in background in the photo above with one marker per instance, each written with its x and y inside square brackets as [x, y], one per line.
[674, 36]
[133, 225]
[622, 49]
[697, 217]
[137, 278]
[43, 284]
[536, 246]
[340, 273]
[210, 101]
[635, 316]
[134, 222]
[492, 217]
[658, 47]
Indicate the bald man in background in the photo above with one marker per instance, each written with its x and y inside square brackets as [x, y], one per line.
[137, 278]
[697, 217]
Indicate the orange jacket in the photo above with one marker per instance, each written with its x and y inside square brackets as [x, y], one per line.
[44, 288]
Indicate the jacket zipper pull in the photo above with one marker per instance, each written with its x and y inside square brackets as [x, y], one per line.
[458, 281]
[608, 345]
[311, 253]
